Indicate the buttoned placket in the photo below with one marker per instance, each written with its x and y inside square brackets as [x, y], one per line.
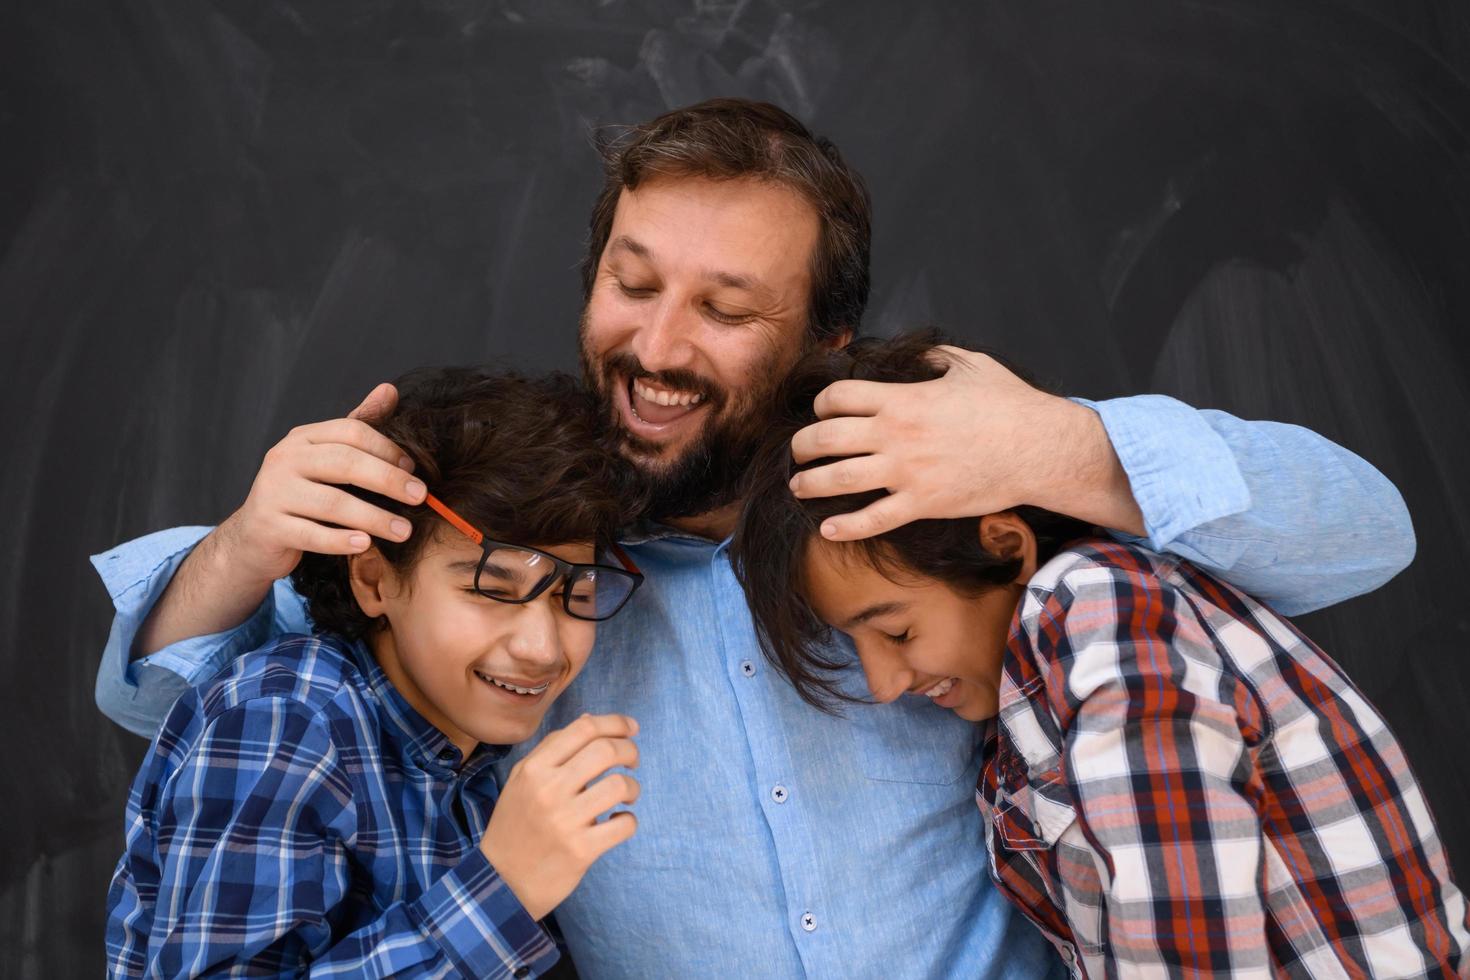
[788, 822]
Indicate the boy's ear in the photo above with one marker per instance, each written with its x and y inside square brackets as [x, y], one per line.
[367, 572]
[1005, 535]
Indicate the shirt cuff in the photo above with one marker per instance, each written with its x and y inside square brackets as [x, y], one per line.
[1182, 472]
[137, 693]
[480, 925]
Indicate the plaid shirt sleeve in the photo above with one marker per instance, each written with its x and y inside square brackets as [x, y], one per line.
[252, 814]
[1160, 776]
[1163, 761]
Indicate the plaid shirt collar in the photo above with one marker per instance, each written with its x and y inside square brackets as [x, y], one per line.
[417, 740]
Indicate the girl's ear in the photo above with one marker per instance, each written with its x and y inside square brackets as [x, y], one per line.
[1004, 535]
[367, 572]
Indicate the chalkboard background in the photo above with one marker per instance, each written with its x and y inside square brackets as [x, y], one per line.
[219, 218]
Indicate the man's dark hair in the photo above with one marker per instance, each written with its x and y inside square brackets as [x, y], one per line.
[726, 139]
[522, 459]
[770, 543]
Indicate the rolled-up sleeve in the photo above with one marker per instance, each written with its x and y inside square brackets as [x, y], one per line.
[1276, 510]
[138, 692]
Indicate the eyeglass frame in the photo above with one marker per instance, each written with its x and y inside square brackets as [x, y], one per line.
[561, 570]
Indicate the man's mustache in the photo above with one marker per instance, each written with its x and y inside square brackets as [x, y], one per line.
[627, 365]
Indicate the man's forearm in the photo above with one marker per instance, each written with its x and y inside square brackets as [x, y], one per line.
[1088, 481]
[209, 593]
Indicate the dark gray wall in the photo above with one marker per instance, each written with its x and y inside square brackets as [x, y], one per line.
[218, 219]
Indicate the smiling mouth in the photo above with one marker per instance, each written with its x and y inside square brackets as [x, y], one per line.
[941, 689]
[525, 692]
[657, 405]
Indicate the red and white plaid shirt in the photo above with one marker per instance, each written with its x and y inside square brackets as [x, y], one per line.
[1178, 783]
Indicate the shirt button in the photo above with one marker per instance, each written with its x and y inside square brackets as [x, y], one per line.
[778, 793]
[522, 972]
[808, 922]
[747, 668]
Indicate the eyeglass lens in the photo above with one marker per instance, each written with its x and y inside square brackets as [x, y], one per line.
[513, 575]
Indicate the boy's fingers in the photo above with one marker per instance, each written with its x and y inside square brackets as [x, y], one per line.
[556, 748]
[378, 405]
[855, 474]
[881, 515]
[612, 831]
[359, 435]
[338, 463]
[597, 757]
[615, 789]
[842, 436]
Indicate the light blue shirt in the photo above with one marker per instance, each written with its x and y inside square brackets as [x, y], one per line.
[775, 840]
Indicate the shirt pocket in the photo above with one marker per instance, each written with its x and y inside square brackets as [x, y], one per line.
[1032, 810]
[913, 741]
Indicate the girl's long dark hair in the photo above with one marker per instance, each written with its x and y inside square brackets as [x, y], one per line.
[771, 538]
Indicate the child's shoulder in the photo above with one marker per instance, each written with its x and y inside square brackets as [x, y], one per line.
[311, 672]
[1094, 564]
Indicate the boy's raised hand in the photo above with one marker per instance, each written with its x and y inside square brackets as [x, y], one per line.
[544, 833]
[296, 503]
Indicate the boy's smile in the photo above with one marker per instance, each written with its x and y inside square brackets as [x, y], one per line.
[917, 635]
[477, 669]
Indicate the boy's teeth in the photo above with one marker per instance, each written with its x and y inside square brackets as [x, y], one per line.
[941, 689]
[511, 687]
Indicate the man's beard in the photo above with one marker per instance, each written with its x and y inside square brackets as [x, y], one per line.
[707, 474]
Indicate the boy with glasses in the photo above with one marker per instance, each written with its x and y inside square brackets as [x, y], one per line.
[327, 802]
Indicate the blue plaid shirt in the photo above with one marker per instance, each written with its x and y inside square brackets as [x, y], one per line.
[295, 814]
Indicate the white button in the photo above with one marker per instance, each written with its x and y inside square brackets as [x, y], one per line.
[747, 668]
[778, 793]
[808, 922]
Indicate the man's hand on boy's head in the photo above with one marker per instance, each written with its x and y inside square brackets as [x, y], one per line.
[296, 503]
[544, 833]
[976, 441]
[377, 406]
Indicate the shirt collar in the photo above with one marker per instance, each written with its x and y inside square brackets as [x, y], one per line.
[647, 530]
[422, 743]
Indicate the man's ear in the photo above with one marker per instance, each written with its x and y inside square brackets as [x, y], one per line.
[1005, 535]
[838, 340]
[369, 575]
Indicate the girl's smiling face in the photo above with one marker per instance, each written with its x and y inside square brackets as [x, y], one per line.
[917, 635]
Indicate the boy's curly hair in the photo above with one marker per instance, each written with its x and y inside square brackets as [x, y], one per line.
[522, 459]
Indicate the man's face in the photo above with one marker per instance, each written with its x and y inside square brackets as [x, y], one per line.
[697, 311]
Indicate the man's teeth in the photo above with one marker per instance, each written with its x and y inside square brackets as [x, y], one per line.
[661, 397]
[941, 689]
[511, 687]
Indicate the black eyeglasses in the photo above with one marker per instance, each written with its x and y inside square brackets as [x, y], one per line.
[517, 574]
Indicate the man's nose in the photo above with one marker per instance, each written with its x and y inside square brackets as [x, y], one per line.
[662, 341]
